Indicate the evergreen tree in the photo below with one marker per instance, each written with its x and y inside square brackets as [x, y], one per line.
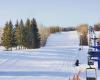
[22, 36]
[35, 34]
[27, 30]
[13, 44]
[7, 35]
[18, 33]
[15, 33]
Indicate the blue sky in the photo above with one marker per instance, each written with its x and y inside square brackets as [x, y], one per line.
[51, 12]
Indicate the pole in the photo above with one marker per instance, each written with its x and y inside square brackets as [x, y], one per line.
[81, 41]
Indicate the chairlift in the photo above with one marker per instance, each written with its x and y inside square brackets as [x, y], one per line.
[90, 62]
[91, 77]
[91, 73]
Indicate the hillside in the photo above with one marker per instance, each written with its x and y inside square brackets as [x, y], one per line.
[55, 61]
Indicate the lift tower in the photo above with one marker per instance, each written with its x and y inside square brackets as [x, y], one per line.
[93, 53]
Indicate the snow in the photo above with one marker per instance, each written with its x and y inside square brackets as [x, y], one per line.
[55, 61]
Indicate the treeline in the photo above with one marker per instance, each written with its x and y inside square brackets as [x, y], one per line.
[54, 29]
[97, 27]
[69, 29]
[83, 31]
[28, 34]
[46, 31]
[21, 35]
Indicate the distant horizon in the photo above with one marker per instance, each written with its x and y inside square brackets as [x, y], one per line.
[14, 22]
[62, 13]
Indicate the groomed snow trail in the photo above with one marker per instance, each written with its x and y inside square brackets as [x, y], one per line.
[55, 61]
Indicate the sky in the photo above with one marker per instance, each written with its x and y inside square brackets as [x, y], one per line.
[51, 12]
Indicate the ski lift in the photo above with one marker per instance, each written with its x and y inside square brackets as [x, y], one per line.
[89, 72]
[90, 62]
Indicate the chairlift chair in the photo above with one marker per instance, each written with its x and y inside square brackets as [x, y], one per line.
[90, 62]
[89, 77]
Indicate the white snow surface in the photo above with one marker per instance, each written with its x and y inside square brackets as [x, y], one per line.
[55, 61]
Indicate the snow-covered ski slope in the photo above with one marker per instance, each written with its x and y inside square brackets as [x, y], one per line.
[55, 61]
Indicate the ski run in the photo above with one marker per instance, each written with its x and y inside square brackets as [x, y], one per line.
[55, 61]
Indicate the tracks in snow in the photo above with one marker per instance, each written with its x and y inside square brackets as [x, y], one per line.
[54, 61]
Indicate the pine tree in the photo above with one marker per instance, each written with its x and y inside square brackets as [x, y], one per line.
[21, 35]
[27, 30]
[18, 34]
[21, 25]
[35, 34]
[15, 33]
[13, 44]
[7, 35]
